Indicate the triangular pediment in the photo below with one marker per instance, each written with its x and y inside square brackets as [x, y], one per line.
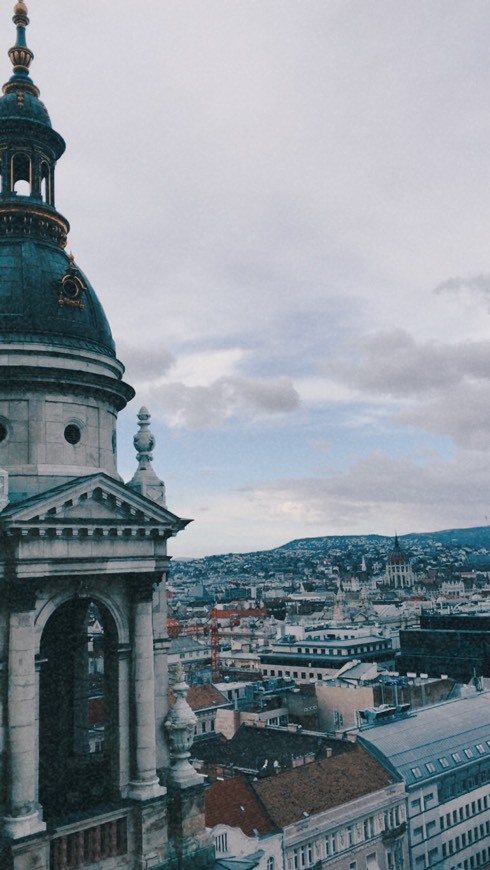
[98, 500]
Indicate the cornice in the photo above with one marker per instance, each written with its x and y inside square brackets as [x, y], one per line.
[83, 531]
[30, 220]
[31, 379]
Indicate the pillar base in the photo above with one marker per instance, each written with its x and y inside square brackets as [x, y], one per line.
[187, 830]
[183, 775]
[16, 827]
[144, 790]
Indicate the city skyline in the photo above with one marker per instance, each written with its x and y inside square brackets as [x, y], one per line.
[283, 210]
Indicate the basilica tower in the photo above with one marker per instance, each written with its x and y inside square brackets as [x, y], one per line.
[86, 778]
[60, 382]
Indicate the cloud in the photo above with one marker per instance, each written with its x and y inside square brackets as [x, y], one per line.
[379, 493]
[462, 412]
[320, 444]
[376, 494]
[143, 363]
[209, 407]
[395, 364]
[297, 175]
[478, 285]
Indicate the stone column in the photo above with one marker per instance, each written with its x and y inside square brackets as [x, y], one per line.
[145, 783]
[161, 647]
[81, 742]
[23, 819]
[161, 643]
[124, 725]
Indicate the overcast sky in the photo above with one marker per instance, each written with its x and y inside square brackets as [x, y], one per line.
[284, 207]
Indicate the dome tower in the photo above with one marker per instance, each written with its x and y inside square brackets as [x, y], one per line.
[60, 381]
[86, 770]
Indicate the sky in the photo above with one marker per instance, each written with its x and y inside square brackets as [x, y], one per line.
[284, 208]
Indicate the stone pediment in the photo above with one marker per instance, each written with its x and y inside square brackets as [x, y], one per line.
[95, 502]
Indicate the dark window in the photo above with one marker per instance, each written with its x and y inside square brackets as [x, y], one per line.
[72, 434]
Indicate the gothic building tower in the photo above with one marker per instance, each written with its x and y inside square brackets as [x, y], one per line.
[85, 776]
[399, 572]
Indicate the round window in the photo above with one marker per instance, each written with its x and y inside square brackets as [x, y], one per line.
[72, 434]
[71, 288]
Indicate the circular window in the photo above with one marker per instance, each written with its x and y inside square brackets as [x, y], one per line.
[71, 288]
[72, 434]
[3, 432]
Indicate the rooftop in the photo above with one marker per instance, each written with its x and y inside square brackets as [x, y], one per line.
[202, 697]
[266, 749]
[436, 740]
[321, 786]
[233, 802]
[184, 643]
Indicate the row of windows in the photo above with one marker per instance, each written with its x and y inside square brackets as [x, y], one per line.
[296, 675]
[463, 781]
[480, 859]
[467, 838]
[423, 802]
[278, 720]
[458, 758]
[302, 859]
[342, 652]
[221, 843]
[477, 859]
[307, 855]
[469, 809]
[203, 725]
[21, 176]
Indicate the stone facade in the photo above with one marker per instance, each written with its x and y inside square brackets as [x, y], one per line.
[77, 548]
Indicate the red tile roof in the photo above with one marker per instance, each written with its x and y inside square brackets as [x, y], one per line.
[233, 802]
[320, 786]
[201, 697]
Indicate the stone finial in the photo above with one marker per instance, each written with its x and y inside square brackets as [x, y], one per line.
[20, 14]
[145, 481]
[180, 724]
[144, 440]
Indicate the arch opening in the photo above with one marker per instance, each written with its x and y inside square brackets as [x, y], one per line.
[45, 184]
[78, 730]
[21, 174]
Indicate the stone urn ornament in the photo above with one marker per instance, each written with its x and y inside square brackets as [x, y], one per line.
[180, 724]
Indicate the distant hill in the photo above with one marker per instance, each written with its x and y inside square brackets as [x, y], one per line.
[301, 549]
[475, 538]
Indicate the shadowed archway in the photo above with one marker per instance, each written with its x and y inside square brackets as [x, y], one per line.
[78, 709]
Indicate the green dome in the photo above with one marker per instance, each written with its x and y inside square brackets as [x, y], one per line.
[24, 117]
[45, 298]
[28, 108]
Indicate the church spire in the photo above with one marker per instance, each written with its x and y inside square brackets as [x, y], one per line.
[21, 56]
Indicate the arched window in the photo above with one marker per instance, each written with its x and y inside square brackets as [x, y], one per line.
[45, 183]
[77, 708]
[271, 864]
[21, 174]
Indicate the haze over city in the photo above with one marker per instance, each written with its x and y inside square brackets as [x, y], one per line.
[291, 244]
